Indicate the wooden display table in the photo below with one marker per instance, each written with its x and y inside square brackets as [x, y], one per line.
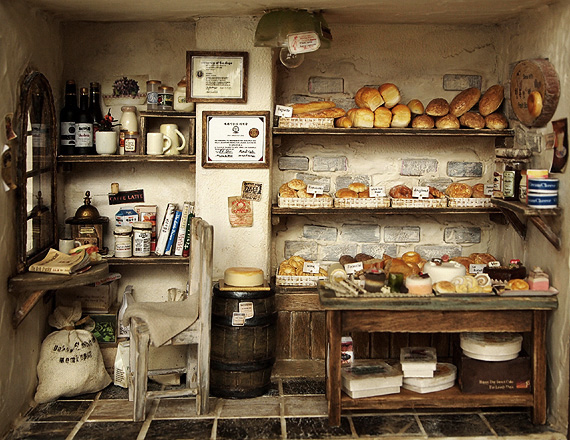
[437, 315]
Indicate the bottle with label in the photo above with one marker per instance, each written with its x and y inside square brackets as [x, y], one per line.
[129, 123]
[67, 118]
[512, 180]
[95, 107]
[84, 126]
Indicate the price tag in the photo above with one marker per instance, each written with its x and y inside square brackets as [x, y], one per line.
[377, 191]
[311, 267]
[351, 268]
[494, 264]
[488, 190]
[283, 111]
[476, 268]
[246, 308]
[303, 42]
[315, 189]
[238, 319]
[420, 192]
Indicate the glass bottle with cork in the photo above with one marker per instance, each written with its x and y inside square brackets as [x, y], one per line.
[512, 180]
[95, 108]
[84, 126]
[67, 118]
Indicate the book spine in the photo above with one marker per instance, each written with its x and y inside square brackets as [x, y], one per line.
[165, 229]
[173, 231]
[187, 236]
[178, 248]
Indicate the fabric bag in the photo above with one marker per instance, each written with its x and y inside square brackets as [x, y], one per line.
[70, 359]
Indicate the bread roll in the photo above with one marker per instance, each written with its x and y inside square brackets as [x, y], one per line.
[303, 194]
[400, 192]
[459, 190]
[346, 259]
[335, 112]
[390, 94]
[423, 122]
[288, 193]
[472, 120]
[343, 122]
[296, 184]
[464, 101]
[357, 187]
[491, 100]
[311, 106]
[437, 107]
[411, 257]
[345, 193]
[382, 117]
[369, 98]
[465, 261]
[361, 117]
[447, 122]
[364, 194]
[401, 116]
[479, 191]
[435, 193]
[482, 258]
[496, 121]
[363, 257]
[416, 107]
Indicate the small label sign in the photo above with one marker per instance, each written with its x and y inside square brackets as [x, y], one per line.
[251, 191]
[420, 192]
[246, 308]
[351, 268]
[311, 267]
[476, 268]
[238, 319]
[488, 190]
[377, 191]
[303, 42]
[494, 264]
[283, 111]
[315, 189]
[134, 196]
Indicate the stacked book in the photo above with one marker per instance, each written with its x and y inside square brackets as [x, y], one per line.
[493, 347]
[418, 361]
[174, 233]
[443, 378]
[370, 377]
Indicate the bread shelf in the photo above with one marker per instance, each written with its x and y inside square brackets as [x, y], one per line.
[393, 132]
[276, 210]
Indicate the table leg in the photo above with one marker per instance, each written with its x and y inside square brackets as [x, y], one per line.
[539, 367]
[333, 380]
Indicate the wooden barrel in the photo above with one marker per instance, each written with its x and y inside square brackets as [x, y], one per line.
[243, 341]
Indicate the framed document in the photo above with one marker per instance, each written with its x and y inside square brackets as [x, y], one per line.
[216, 76]
[235, 139]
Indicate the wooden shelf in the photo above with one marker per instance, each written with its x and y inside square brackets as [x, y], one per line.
[116, 158]
[276, 210]
[167, 114]
[152, 260]
[392, 132]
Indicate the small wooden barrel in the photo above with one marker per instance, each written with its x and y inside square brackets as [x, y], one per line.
[244, 335]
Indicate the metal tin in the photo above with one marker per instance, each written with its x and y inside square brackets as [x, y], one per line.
[165, 98]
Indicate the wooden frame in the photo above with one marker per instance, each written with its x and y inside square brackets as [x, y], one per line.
[216, 76]
[221, 151]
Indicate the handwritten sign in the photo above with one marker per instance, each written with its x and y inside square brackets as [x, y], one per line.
[377, 191]
[309, 267]
[351, 268]
[420, 192]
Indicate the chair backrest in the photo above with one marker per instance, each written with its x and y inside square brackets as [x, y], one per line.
[201, 264]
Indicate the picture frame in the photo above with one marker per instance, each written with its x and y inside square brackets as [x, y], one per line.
[216, 76]
[235, 139]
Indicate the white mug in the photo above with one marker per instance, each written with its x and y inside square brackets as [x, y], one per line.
[157, 143]
[175, 136]
[66, 244]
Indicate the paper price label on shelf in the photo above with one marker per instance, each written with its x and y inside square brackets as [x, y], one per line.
[246, 308]
[420, 192]
[315, 189]
[283, 111]
[311, 267]
[377, 191]
[488, 190]
[351, 268]
[476, 268]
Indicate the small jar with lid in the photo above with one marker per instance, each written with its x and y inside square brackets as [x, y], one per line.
[123, 241]
[129, 122]
[152, 94]
[132, 144]
[142, 234]
[180, 104]
[165, 98]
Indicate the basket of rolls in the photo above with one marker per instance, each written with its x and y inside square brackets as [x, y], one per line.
[401, 196]
[316, 114]
[462, 195]
[356, 195]
[293, 194]
[290, 273]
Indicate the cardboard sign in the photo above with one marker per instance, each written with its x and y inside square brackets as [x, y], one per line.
[377, 191]
[240, 212]
[251, 191]
[311, 267]
[134, 196]
[420, 192]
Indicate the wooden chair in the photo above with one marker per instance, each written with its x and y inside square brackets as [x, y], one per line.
[197, 368]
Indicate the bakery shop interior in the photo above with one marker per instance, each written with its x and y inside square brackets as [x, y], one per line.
[383, 157]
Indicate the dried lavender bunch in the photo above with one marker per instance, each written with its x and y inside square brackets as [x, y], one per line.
[125, 87]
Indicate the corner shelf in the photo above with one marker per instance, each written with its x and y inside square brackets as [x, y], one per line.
[147, 261]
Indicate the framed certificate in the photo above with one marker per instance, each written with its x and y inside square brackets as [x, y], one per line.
[235, 139]
[216, 76]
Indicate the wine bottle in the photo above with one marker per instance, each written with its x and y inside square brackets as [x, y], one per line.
[95, 108]
[84, 126]
[67, 118]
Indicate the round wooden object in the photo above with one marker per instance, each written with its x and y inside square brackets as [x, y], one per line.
[528, 77]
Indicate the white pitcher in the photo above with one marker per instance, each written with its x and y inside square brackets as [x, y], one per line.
[178, 141]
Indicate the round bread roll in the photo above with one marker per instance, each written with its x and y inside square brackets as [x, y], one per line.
[367, 97]
[464, 101]
[437, 107]
[459, 190]
[345, 193]
[303, 194]
[400, 192]
[346, 259]
[288, 193]
[479, 191]
[361, 117]
[357, 187]
[297, 184]
[444, 287]
[284, 187]
[286, 269]
[518, 284]
[401, 116]
[364, 194]
[448, 121]
[363, 257]
[472, 120]
[390, 94]
[382, 117]
[416, 107]
[412, 257]
[491, 100]
[343, 122]
[496, 121]
[423, 122]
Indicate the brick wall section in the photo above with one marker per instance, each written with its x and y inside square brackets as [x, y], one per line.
[331, 164]
[464, 169]
[319, 233]
[402, 234]
[323, 85]
[418, 167]
[295, 163]
[460, 235]
[360, 233]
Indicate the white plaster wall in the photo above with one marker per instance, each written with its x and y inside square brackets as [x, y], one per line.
[28, 39]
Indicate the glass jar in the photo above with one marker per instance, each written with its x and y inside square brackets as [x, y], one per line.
[123, 241]
[142, 234]
[152, 94]
[180, 104]
[165, 98]
[132, 144]
[129, 122]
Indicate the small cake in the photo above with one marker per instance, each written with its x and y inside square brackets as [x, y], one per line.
[243, 276]
[444, 271]
[419, 284]
[502, 273]
[538, 279]
[374, 281]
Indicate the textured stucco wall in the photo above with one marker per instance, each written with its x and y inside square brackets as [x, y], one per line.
[28, 39]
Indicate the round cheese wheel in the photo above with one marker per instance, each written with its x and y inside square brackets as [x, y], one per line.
[243, 276]
[491, 344]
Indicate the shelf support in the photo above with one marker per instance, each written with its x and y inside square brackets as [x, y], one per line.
[547, 231]
[515, 222]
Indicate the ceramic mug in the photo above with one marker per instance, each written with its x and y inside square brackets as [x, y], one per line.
[66, 244]
[157, 143]
[178, 142]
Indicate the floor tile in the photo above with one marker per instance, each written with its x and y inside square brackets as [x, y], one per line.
[316, 428]
[42, 431]
[305, 406]
[454, 425]
[109, 410]
[385, 424]
[264, 406]
[251, 429]
[59, 411]
[114, 392]
[108, 430]
[513, 424]
[180, 429]
[304, 386]
[182, 408]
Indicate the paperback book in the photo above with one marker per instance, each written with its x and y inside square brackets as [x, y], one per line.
[370, 374]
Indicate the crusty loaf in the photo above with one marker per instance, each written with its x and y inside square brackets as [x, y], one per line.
[472, 120]
[416, 107]
[437, 107]
[311, 106]
[367, 97]
[390, 94]
[491, 99]
[464, 101]
[335, 112]
[496, 121]
[448, 121]
[401, 116]
[382, 117]
[423, 122]
[344, 193]
[357, 187]
[361, 117]
[459, 190]
[343, 122]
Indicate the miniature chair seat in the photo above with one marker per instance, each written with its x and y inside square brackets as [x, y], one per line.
[164, 323]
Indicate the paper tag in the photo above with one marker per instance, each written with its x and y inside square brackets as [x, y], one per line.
[303, 42]
[351, 268]
[311, 267]
[283, 111]
[315, 189]
[476, 268]
[550, 139]
[420, 192]
[494, 264]
[251, 191]
[238, 319]
[488, 190]
[246, 308]
[377, 191]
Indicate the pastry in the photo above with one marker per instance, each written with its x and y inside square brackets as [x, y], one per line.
[411, 257]
[423, 122]
[288, 193]
[334, 112]
[343, 122]
[518, 284]
[459, 190]
[444, 287]
[400, 192]
[472, 120]
[435, 193]
[444, 271]
[465, 261]
[419, 284]
[538, 279]
[397, 265]
[382, 117]
[401, 116]
[416, 107]
[479, 191]
[337, 273]
[374, 281]
[357, 187]
[346, 259]
[311, 106]
[363, 257]
[491, 100]
[448, 121]
[534, 103]
[297, 184]
[496, 121]
[437, 107]
[345, 193]
[502, 273]
[482, 258]
[368, 97]
[361, 117]
[390, 94]
[464, 101]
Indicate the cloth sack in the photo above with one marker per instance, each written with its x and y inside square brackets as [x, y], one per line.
[70, 359]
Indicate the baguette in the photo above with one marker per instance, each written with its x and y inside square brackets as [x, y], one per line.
[335, 112]
[312, 106]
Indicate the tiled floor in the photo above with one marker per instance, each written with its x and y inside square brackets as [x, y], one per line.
[292, 409]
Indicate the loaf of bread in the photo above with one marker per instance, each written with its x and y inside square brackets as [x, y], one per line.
[390, 93]
[400, 192]
[345, 193]
[459, 190]
[357, 187]
[464, 101]
[437, 107]
[361, 117]
[382, 117]
[423, 122]
[479, 191]
[496, 121]
[448, 121]
[401, 116]
[335, 112]
[491, 99]
[472, 120]
[311, 106]
[343, 122]
[296, 184]
[364, 194]
[416, 107]
[367, 97]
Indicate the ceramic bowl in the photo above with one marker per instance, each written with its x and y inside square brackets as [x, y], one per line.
[542, 185]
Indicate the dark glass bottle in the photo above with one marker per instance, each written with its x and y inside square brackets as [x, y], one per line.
[95, 107]
[84, 126]
[67, 118]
